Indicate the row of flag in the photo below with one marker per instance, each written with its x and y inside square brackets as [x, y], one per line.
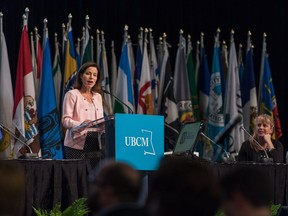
[144, 83]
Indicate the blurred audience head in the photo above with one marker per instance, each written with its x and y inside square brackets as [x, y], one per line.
[246, 191]
[183, 187]
[12, 188]
[113, 183]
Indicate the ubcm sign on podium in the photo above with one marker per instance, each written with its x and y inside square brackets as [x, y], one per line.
[139, 140]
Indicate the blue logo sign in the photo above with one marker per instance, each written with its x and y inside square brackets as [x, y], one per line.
[139, 140]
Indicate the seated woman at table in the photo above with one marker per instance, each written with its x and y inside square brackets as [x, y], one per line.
[261, 142]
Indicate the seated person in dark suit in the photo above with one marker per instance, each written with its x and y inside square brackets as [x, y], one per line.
[246, 191]
[114, 190]
[183, 187]
[251, 151]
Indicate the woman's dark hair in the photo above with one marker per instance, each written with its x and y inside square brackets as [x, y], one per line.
[78, 84]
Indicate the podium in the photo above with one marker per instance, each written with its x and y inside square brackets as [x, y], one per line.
[99, 138]
[131, 138]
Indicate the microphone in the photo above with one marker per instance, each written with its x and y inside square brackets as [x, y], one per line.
[120, 101]
[267, 159]
[227, 129]
[31, 154]
[228, 158]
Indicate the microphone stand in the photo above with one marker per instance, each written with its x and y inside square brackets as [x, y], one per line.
[120, 101]
[29, 155]
[265, 160]
[225, 159]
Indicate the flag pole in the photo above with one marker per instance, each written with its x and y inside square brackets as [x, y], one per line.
[34, 61]
[189, 44]
[164, 40]
[197, 63]
[160, 41]
[126, 32]
[201, 45]
[84, 37]
[24, 18]
[140, 35]
[97, 46]
[262, 70]
[27, 15]
[217, 37]
[240, 54]
[1, 22]
[55, 38]
[1, 30]
[92, 46]
[249, 42]
[146, 35]
[82, 46]
[87, 22]
[150, 34]
[181, 32]
[45, 21]
[63, 39]
[224, 44]
[102, 39]
[45, 30]
[69, 21]
[36, 39]
[181, 39]
[78, 46]
[232, 35]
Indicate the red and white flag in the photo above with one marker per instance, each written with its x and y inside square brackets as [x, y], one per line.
[145, 98]
[25, 110]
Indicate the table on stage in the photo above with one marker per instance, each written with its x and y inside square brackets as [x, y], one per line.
[54, 181]
[63, 181]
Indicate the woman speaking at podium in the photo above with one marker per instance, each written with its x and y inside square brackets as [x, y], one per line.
[261, 147]
[81, 105]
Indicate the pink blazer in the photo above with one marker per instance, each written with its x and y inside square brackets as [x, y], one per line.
[75, 111]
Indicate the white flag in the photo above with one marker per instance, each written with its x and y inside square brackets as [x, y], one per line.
[232, 103]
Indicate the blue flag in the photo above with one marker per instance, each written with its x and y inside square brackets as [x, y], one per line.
[48, 124]
[204, 88]
[216, 105]
[268, 101]
[248, 92]
[124, 85]
[204, 85]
